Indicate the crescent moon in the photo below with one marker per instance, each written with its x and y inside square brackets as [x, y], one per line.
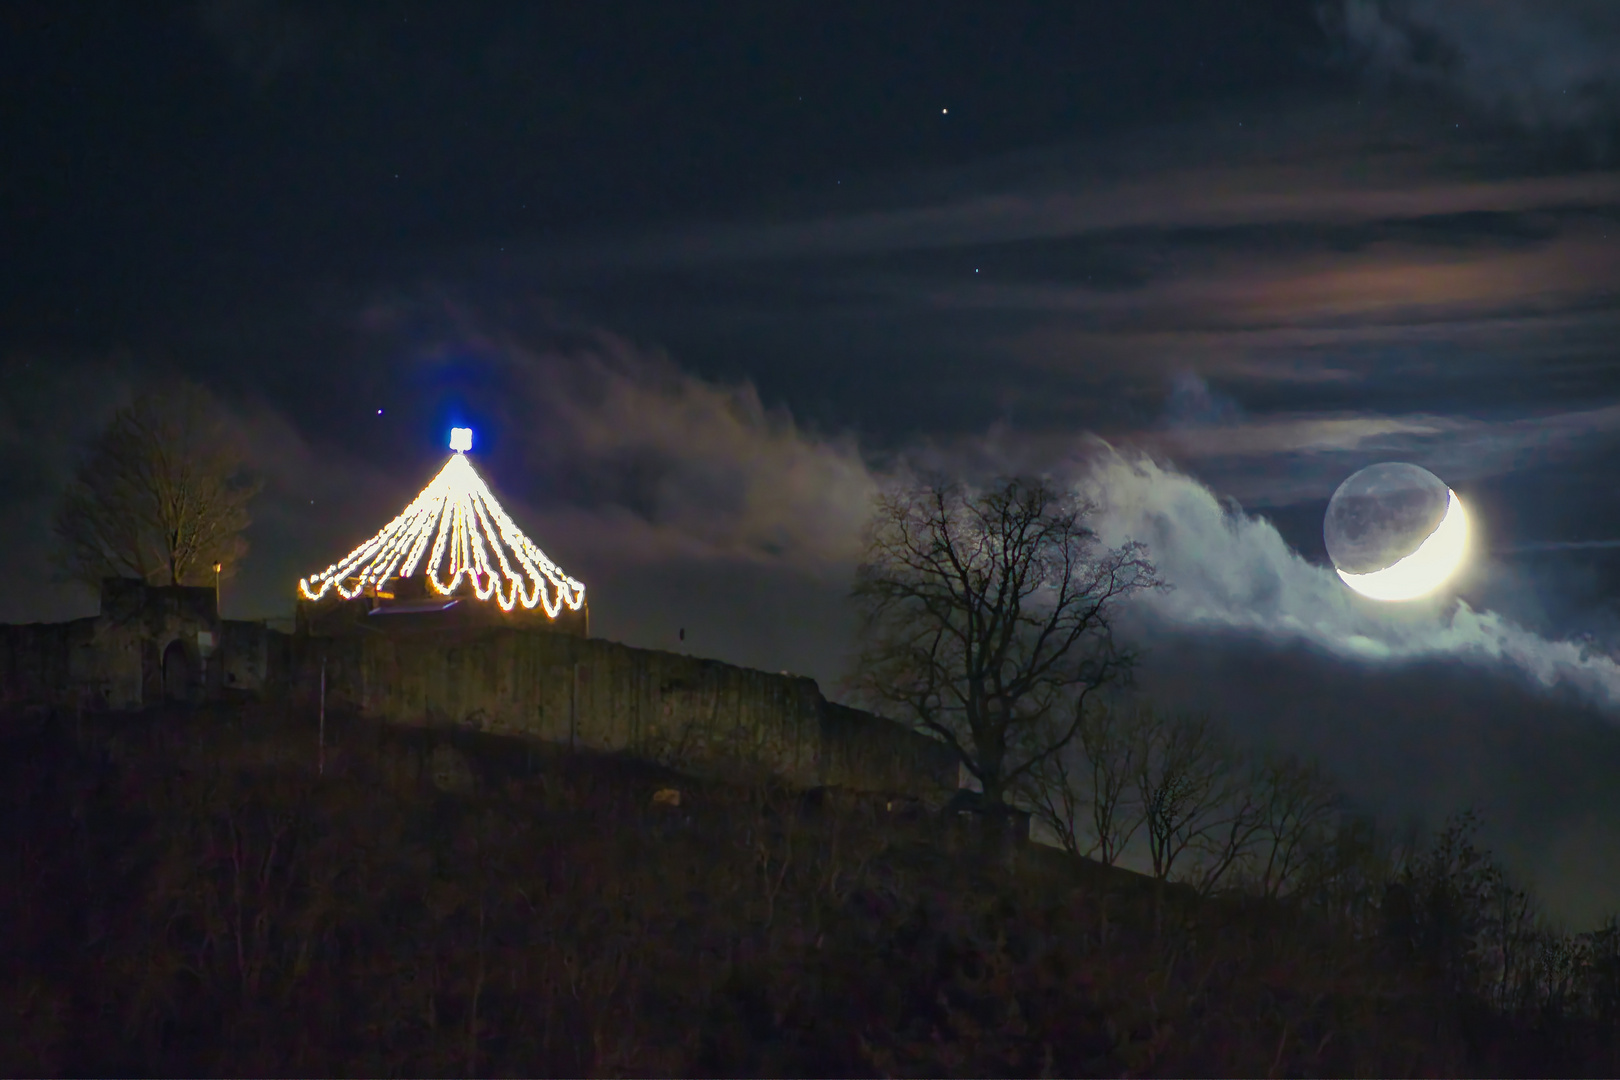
[1427, 568]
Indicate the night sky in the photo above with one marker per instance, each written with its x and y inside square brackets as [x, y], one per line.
[702, 276]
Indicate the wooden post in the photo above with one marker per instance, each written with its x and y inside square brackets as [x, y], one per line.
[320, 750]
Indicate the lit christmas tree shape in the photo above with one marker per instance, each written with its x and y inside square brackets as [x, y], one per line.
[465, 536]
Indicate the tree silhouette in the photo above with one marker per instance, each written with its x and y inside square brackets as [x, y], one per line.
[988, 619]
[1083, 793]
[161, 495]
[1299, 808]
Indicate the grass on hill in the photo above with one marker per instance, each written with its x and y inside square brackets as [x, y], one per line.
[186, 896]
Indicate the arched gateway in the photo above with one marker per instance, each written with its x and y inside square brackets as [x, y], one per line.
[177, 680]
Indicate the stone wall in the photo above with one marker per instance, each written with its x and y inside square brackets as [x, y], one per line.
[872, 753]
[694, 714]
[83, 663]
[118, 659]
[248, 653]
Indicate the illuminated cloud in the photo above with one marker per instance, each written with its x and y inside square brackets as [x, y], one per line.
[657, 463]
[1232, 571]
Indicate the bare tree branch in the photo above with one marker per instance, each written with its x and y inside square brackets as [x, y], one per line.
[988, 619]
[1110, 742]
[1298, 808]
[161, 495]
[1182, 773]
[1083, 792]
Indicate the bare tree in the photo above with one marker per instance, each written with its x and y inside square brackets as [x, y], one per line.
[1298, 808]
[1053, 791]
[1111, 739]
[1082, 792]
[988, 619]
[1440, 906]
[1228, 840]
[1131, 765]
[1183, 778]
[161, 496]
[1511, 930]
[1348, 879]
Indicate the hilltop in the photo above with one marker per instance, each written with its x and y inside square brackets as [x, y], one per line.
[189, 897]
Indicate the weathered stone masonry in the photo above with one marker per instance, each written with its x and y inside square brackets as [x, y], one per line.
[147, 645]
[699, 715]
[702, 716]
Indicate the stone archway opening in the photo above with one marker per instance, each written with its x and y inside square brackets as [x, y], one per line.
[176, 673]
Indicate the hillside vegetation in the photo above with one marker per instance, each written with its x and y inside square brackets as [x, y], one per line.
[187, 896]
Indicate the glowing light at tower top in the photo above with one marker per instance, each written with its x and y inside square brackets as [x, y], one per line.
[455, 532]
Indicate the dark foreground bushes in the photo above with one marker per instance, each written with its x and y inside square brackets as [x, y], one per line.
[185, 896]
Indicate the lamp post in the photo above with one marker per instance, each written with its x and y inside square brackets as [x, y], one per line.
[217, 568]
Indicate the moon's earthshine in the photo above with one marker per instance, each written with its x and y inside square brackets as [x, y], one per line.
[1395, 532]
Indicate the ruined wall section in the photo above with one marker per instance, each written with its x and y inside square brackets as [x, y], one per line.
[86, 663]
[696, 715]
[115, 660]
[590, 694]
[246, 655]
[693, 714]
[872, 753]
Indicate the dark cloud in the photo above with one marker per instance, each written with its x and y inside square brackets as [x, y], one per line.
[265, 40]
[49, 411]
[1149, 188]
[1192, 404]
[1313, 452]
[1272, 309]
[685, 466]
[1418, 740]
[681, 502]
[1540, 63]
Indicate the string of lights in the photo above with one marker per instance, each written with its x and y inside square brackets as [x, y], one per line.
[472, 540]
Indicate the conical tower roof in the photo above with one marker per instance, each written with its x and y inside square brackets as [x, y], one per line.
[454, 532]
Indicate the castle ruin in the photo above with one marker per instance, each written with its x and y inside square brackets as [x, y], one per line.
[451, 617]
